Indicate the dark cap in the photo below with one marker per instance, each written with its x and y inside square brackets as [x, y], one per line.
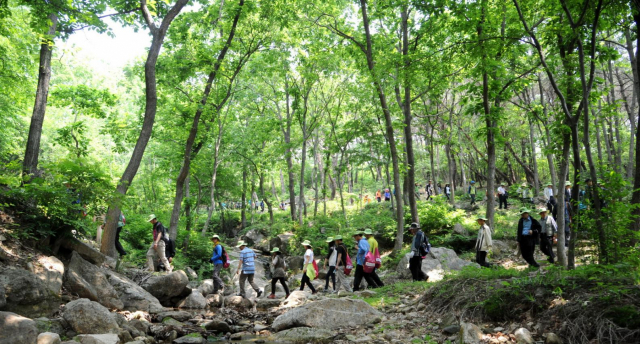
[414, 225]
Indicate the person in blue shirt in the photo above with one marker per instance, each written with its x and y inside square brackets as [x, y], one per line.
[216, 260]
[363, 249]
[247, 267]
[528, 236]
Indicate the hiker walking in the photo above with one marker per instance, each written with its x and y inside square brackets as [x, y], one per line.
[216, 260]
[548, 230]
[447, 191]
[415, 262]
[551, 200]
[332, 258]
[472, 192]
[387, 195]
[483, 243]
[429, 190]
[528, 235]
[363, 248]
[308, 270]
[121, 222]
[373, 246]
[247, 268]
[341, 263]
[378, 196]
[279, 273]
[567, 191]
[502, 196]
[157, 249]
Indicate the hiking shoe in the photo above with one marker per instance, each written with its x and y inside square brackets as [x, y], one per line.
[287, 296]
[314, 292]
[272, 296]
[259, 293]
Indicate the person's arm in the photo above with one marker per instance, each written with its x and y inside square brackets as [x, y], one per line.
[239, 264]
[217, 253]
[339, 261]
[555, 226]
[158, 235]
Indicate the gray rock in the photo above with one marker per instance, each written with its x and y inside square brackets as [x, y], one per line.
[194, 301]
[89, 281]
[140, 325]
[3, 298]
[50, 325]
[451, 329]
[50, 271]
[328, 314]
[217, 326]
[206, 287]
[253, 237]
[166, 286]
[214, 300]
[97, 339]
[459, 229]
[191, 274]
[523, 336]
[86, 316]
[49, 338]
[264, 303]
[190, 339]
[435, 265]
[125, 336]
[84, 250]
[449, 319]
[305, 335]
[25, 293]
[16, 329]
[469, 334]
[178, 315]
[296, 298]
[238, 302]
[552, 338]
[171, 321]
[133, 296]
[500, 247]
[295, 262]
[498, 329]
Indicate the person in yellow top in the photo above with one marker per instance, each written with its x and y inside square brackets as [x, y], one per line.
[373, 246]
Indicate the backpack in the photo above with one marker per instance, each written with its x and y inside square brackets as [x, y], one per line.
[376, 254]
[170, 248]
[425, 246]
[225, 258]
[315, 267]
[369, 263]
[162, 231]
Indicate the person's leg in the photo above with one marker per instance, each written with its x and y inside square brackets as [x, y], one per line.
[151, 253]
[376, 278]
[326, 279]
[332, 271]
[253, 285]
[371, 283]
[273, 285]
[479, 258]
[412, 267]
[303, 280]
[528, 255]
[357, 279]
[342, 279]
[163, 258]
[243, 278]
[217, 281]
[552, 255]
[284, 285]
[473, 199]
[119, 247]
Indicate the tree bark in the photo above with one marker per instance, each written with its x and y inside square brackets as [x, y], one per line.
[151, 104]
[243, 211]
[32, 152]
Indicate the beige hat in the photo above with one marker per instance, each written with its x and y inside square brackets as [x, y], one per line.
[151, 217]
[241, 243]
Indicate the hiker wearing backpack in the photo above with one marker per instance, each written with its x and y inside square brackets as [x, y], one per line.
[373, 249]
[528, 234]
[483, 243]
[419, 248]
[279, 274]
[363, 248]
[160, 238]
[217, 261]
[247, 268]
[308, 270]
[332, 258]
[342, 262]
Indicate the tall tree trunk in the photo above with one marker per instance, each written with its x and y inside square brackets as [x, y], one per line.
[151, 104]
[187, 214]
[283, 190]
[32, 152]
[302, 166]
[635, 198]
[216, 163]
[534, 160]
[564, 170]
[243, 210]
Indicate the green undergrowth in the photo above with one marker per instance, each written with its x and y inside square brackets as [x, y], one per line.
[391, 294]
[592, 298]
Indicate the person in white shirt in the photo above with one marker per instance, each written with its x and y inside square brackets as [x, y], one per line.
[332, 257]
[483, 243]
[308, 269]
[502, 196]
[551, 200]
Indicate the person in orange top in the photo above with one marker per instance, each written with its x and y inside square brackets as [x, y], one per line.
[378, 196]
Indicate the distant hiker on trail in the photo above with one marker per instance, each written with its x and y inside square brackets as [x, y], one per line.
[387, 195]
[363, 249]
[341, 263]
[373, 246]
[472, 192]
[502, 196]
[158, 247]
[528, 236]
[378, 196]
[332, 258]
[525, 194]
[548, 230]
[308, 271]
[429, 190]
[483, 243]
[247, 268]
[447, 191]
[279, 273]
[366, 199]
[262, 206]
[216, 259]
[551, 200]
[567, 191]
[415, 262]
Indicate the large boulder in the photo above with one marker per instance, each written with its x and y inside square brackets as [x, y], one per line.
[133, 296]
[84, 250]
[50, 271]
[16, 329]
[194, 301]
[217, 326]
[459, 229]
[206, 287]
[193, 338]
[167, 287]
[86, 316]
[253, 237]
[238, 302]
[89, 281]
[295, 262]
[435, 265]
[214, 300]
[328, 314]
[25, 293]
[469, 334]
[305, 335]
[97, 339]
[55, 325]
[178, 315]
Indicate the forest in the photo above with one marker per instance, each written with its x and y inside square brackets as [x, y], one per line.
[298, 118]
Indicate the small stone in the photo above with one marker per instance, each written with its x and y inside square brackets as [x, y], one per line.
[194, 338]
[48, 338]
[551, 338]
[451, 329]
[523, 336]
[259, 327]
[498, 329]
[239, 335]
[97, 339]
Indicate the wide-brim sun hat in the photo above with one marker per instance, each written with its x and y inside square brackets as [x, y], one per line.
[241, 243]
[482, 218]
[215, 237]
[151, 217]
[368, 231]
[337, 237]
[414, 225]
[329, 239]
[524, 184]
[542, 210]
[567, 183]
[524, 210]
[306, 243]
[275, 249]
